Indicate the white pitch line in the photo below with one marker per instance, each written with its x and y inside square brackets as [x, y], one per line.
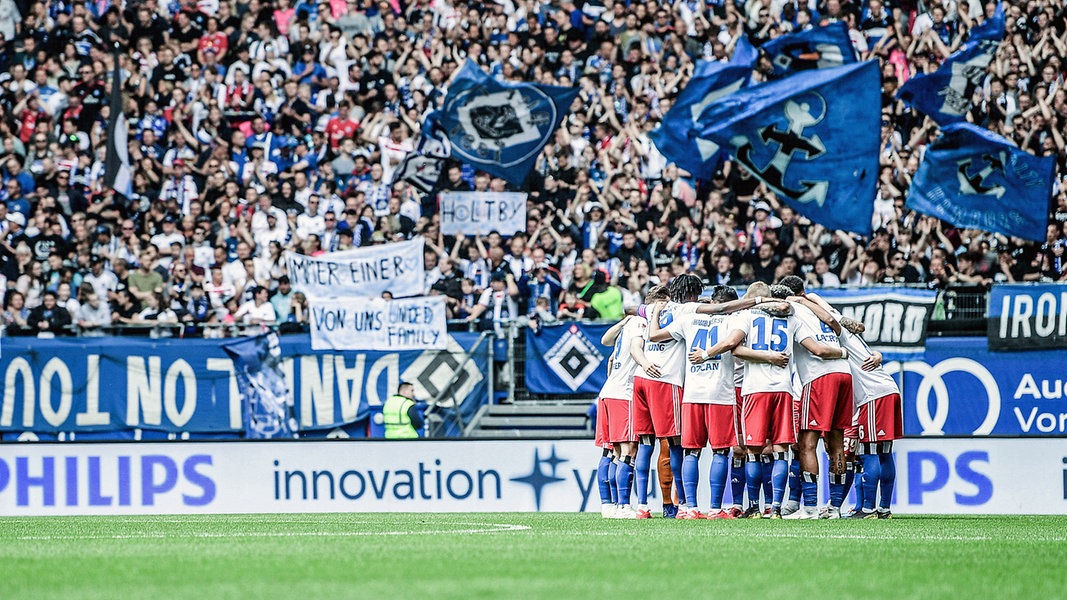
[497, 528]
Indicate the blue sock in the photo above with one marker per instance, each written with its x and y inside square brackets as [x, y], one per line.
[754, 478]
[613, 470]
[809, 485]
[737, 479]
[677, 454]
[642, 471]
[872, 472]
[859, 491]
[624, 480]
[602, 479]
[717, 476]
[850, 477]
[837, 489]
[779, 472]
[888, 479]
[690, 478]
[768, 467]
[794, 480]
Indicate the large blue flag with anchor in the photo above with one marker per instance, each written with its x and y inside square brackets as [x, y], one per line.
[676, 136]
[813, 138]
[974, 178]
[501, 128]
[945, 95]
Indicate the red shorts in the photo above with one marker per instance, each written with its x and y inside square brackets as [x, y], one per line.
[619, 425]
[657, 408]
[600, 437]
[767, 418]
[708, 423]
[826, 403]
[881, 420]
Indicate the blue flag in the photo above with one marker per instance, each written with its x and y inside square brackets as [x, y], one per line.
[816, 48]
[676, 136]
[267, 399]
[745, 54]
[813, 138]
[974, 178]
[990, 29]
[422, 168]
[945, 95]
[501, 128]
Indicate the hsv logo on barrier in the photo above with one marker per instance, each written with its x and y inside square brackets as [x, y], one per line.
[574, 358]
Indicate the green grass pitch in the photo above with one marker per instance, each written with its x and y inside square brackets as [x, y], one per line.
[558, 556]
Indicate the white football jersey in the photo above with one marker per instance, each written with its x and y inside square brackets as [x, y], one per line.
[867, 386]
[712, 381]
[809, 366]
[620, 383]
[767, 333]
[668, 355]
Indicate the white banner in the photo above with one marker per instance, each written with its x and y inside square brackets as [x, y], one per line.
[934, 476]
[478, 213]
[370, 271]
[357, 323]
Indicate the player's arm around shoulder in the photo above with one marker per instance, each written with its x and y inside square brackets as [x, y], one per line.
[778, 359]
[655, 332]
[613, 332]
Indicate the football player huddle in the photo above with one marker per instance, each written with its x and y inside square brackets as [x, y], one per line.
[760, 379]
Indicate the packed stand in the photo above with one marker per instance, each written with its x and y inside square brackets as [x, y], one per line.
[258, 128]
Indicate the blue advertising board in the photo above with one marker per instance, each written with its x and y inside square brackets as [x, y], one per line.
[961, 388]
[130, 388]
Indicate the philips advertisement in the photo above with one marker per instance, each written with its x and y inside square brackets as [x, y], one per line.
[123, 388]
[961, 388]
[1027, 317]
[934, 476]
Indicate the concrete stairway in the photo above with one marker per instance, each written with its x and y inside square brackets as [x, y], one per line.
[529, 420]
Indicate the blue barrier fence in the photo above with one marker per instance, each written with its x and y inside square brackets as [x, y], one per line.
[122, 388]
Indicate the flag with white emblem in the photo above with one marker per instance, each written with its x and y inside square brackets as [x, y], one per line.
[946, 94]
[501, 128]
[817, 48]
[422, 168]
[974, 178]
[676, 136]
[812, 138]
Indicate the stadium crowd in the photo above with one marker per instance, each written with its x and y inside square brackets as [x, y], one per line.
[261, 127]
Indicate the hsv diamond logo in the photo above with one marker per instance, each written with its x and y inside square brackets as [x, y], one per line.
[538, 478]
[433, 370]
[574, 358]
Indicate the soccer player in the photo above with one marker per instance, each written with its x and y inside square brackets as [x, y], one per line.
[766, 393]
[879, 417]
[607, 469]
[825, 407]
[657, 384]
[617, 399]
[709, 402]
